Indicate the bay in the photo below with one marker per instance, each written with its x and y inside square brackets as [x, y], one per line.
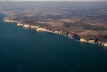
[24, 50]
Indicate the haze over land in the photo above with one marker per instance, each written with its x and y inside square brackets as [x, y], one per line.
[55, 0]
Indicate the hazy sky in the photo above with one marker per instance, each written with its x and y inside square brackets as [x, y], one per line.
[53, 0]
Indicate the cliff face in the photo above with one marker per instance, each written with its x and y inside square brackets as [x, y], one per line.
[82, 27]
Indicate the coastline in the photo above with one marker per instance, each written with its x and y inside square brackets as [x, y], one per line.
[7, 20]
[41, 29]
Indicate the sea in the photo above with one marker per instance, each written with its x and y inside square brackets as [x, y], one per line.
[25, 50]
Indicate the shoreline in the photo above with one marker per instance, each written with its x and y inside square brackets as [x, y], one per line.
[41, 29]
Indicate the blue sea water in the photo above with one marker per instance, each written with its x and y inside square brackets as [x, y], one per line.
[23, 50]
